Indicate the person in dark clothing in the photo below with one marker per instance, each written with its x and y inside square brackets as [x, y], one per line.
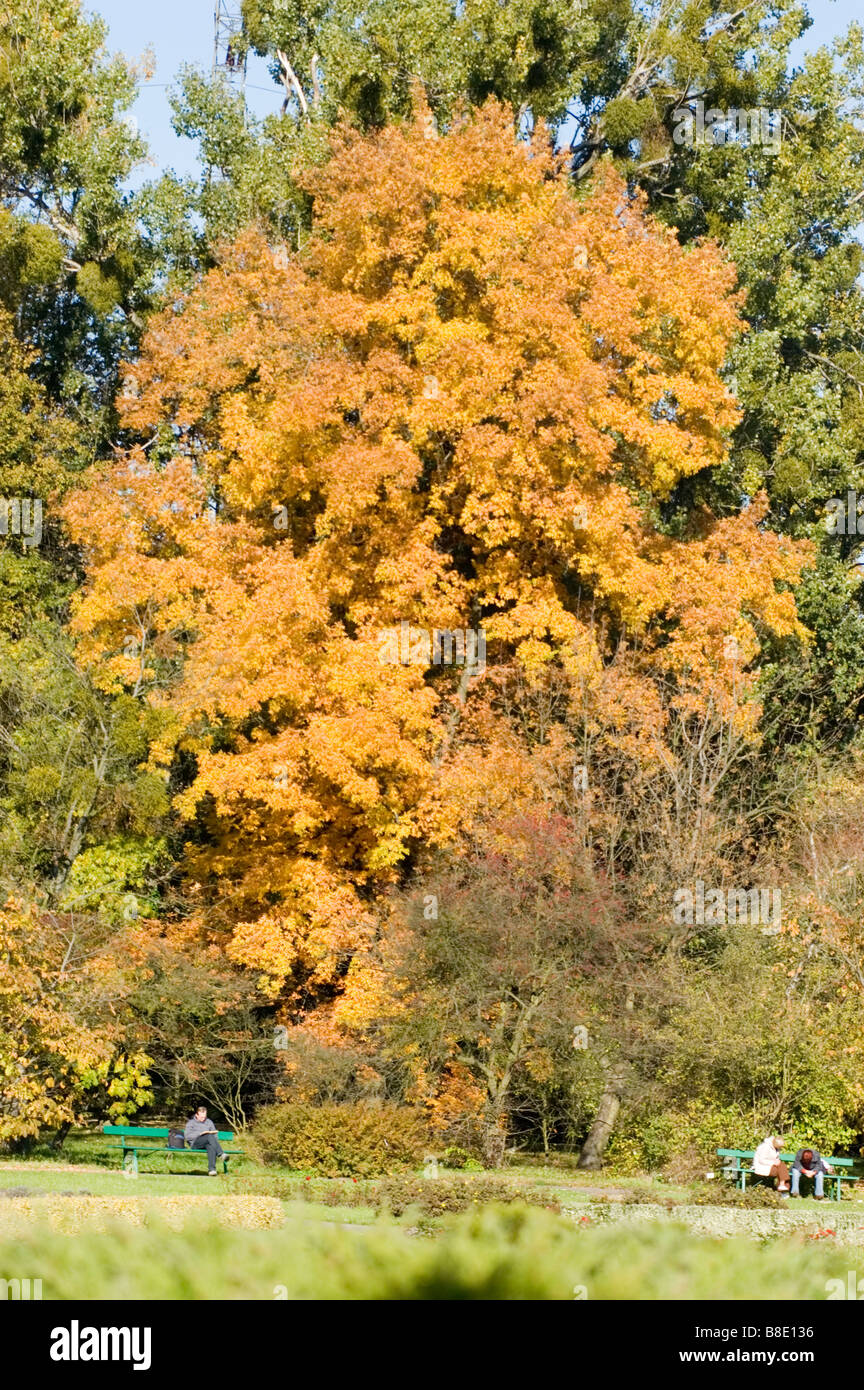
[809, 1163]
[200, 1133]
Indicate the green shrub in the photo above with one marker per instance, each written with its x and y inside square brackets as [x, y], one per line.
[684, 1142]
[340, 1140]
[650, 1142]
[437, 1196]
[503, 1253]
[396, 1194]
[726, 1194]
[460, 1159]
[719, 1194]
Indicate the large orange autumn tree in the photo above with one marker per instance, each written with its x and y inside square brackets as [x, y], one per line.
[462, 402]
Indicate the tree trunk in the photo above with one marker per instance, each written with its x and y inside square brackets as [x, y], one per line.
[60, 1137]
[494, 1144]
[604, 1121]
[494, 1133]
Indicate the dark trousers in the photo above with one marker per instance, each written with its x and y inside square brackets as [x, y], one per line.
[210, 1142]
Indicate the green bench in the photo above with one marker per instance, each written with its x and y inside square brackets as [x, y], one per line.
[135, 1139]
[739, 1165]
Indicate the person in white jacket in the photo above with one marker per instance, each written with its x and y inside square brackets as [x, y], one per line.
[767, 1162]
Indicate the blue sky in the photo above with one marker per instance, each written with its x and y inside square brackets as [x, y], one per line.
[181, 31]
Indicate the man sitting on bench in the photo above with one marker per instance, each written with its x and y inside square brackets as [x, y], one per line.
[810, 1164]
[200, 1133]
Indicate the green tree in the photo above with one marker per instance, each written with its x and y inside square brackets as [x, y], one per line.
[72, 259]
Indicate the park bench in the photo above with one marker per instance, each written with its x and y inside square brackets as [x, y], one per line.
[738, 1164]
[135, 1139]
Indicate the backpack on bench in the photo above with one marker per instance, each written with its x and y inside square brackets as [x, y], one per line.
[176, 1139]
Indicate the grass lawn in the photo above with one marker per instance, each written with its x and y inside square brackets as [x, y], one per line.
[86, 1164]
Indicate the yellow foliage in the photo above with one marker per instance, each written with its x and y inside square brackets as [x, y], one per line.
[462, 403]
[70, 1218]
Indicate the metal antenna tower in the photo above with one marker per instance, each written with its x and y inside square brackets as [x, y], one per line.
[229, 53]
